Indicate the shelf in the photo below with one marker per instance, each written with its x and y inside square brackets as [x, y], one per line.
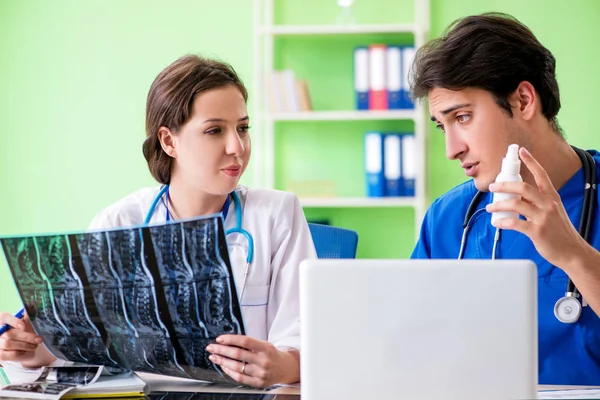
[282, 42]
[338, 29]
[319, 202]
[344, 115]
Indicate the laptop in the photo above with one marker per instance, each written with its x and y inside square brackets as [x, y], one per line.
[418, 329]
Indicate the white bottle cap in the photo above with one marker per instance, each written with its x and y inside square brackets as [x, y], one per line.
[511, 163]
[513, 152]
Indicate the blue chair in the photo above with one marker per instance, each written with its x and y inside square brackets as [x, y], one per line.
[333, 242]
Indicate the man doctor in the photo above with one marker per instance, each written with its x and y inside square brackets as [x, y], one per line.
[491, 83]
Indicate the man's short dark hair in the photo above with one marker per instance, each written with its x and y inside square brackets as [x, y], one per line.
[492, 51]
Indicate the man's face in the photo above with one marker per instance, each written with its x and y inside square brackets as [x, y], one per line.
[477, 131]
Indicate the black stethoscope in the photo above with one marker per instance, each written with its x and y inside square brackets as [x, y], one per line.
[568, 308]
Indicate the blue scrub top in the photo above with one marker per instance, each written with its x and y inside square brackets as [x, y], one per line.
[569, 354]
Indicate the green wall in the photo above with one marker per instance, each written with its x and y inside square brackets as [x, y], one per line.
[74, 77]
[73, 82]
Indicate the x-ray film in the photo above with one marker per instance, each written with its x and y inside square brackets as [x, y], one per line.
[144, 299]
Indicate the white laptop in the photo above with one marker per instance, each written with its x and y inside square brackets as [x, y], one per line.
[418, 329]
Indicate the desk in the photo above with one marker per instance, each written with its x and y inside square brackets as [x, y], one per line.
[220, 396]
[559, 387]
[568, 392]
[167, 388]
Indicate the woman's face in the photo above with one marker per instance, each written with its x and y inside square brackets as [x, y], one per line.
[212, 149]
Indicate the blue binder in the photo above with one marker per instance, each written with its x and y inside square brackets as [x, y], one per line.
[409, 163]
[375, 182]
[393, 60]
[361, 77]
[408, 55]
[392, 164]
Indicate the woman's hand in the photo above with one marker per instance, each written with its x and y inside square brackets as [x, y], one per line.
[255, 362]
[21, 344]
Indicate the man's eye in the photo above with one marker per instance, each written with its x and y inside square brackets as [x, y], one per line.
[440, 127]
[463, 118]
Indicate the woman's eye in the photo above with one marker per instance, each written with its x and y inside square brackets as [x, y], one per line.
[244, 129]
[213, 131]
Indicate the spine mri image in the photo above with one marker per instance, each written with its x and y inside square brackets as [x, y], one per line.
[144, 299]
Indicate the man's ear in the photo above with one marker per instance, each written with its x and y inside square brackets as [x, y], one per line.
[523, 101]
[166, 139]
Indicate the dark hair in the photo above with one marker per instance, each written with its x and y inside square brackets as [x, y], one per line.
[170, 101]
[492, 51]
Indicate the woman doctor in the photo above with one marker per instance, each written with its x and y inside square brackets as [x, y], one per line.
[197, 147]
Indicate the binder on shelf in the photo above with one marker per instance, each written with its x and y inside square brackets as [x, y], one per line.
[409, 163]
[361, 77]
[289, 90]
[286, 93]
[377, 87]
[392, 164]
[393, 59]
[303, 95]
[274, 92]
[408, 55]
[375, 181]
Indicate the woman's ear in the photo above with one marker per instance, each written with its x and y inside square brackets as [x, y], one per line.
[166, 139]
[524, 101]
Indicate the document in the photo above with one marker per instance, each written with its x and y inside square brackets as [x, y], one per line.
[53, 383]
[134, 299]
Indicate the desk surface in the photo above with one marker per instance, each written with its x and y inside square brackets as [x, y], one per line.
[563, 387]
[163, 387]
[165, 384]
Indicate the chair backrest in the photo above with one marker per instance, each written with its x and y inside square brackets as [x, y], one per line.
[333, 242]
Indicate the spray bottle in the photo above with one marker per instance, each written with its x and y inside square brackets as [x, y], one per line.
[511, 166]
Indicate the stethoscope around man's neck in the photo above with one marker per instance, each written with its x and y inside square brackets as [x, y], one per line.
[164, 191]
[568, 308]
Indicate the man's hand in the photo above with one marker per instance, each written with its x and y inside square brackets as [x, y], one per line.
[547, 223]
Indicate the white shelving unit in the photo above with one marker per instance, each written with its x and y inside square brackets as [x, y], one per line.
[358, 202]
[337, 29]
[265, 32]
[343, 115]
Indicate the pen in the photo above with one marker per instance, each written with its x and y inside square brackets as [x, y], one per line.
[5, 327]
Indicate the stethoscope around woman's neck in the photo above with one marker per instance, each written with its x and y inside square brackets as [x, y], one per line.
[568, 308]
[164, 191]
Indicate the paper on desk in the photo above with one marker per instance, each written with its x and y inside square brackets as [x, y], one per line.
[53, 383]
[570, 394]
[165, 383]
[121, 385]
[169, 385]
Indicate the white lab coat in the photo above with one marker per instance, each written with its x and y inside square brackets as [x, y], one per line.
[276, 221]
